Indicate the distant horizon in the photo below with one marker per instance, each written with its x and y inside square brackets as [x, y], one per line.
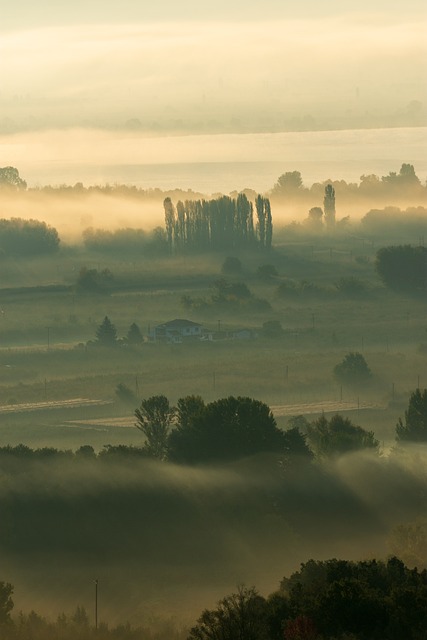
[203, 162]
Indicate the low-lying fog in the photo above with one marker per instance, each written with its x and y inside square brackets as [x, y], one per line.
[159, 537]
[204, 164]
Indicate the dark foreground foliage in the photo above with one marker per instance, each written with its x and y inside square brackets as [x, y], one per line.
[326, 600]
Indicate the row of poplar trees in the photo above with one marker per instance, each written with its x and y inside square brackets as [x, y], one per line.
[222, 223]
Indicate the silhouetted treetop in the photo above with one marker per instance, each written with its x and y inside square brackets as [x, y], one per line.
[10, 179]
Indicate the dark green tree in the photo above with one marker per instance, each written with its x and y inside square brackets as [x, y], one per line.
[403, 267]
[134, 335]
[267, 271]
[296, 447]
[188, 411]
[261, 217]
[125, 394]
[227, 429]
[362, 600]
[414, 426]
[94, 281]
[338, 436]
[268, 224]
[154, 419]
[353, 369]
[169, 221]
[6, 602]
[329, 206]
[106, 334]
[231, 265]
[314, 220]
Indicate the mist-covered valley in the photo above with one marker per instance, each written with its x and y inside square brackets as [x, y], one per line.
[213, 347]
[283, 317]
[165, 541]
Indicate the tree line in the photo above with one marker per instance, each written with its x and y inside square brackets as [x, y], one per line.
[289, 183]
[194, 432]
[27, 237]
[233, 428]
[221, 223]
[404, 182]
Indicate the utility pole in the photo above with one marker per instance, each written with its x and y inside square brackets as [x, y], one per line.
[96, 604]
[48, 338]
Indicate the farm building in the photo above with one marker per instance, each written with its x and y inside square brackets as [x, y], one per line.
[176, 331]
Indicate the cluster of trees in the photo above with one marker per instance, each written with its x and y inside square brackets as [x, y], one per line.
[403, 267]
[116, 190]
[347, 286]
[221, 223]
[338, 436]
[129, 241]
[106, 335]
[226, 429]
[316, 220]
[394, 222]
[227, 294]
[233, 428]
[94, 281]
[336, 599]
[404, 182]
[27, 237]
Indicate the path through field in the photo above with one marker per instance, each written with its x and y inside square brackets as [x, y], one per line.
[73, 403]
[327, 406]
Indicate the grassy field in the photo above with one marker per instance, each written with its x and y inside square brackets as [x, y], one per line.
[46, 322]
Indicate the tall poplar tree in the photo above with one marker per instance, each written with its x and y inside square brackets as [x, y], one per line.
[329, 206]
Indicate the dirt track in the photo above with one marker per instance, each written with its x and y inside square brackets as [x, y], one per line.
[73, 403]
[326, 406]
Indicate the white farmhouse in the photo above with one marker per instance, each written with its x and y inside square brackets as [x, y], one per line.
[176, 331]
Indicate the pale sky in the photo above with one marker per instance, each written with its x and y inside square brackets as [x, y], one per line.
[193, 66]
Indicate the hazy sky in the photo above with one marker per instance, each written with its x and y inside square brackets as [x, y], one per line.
[228, 65]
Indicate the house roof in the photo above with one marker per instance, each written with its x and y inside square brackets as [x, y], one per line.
[179, 323]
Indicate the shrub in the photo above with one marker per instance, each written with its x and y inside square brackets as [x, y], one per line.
[231, 265]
